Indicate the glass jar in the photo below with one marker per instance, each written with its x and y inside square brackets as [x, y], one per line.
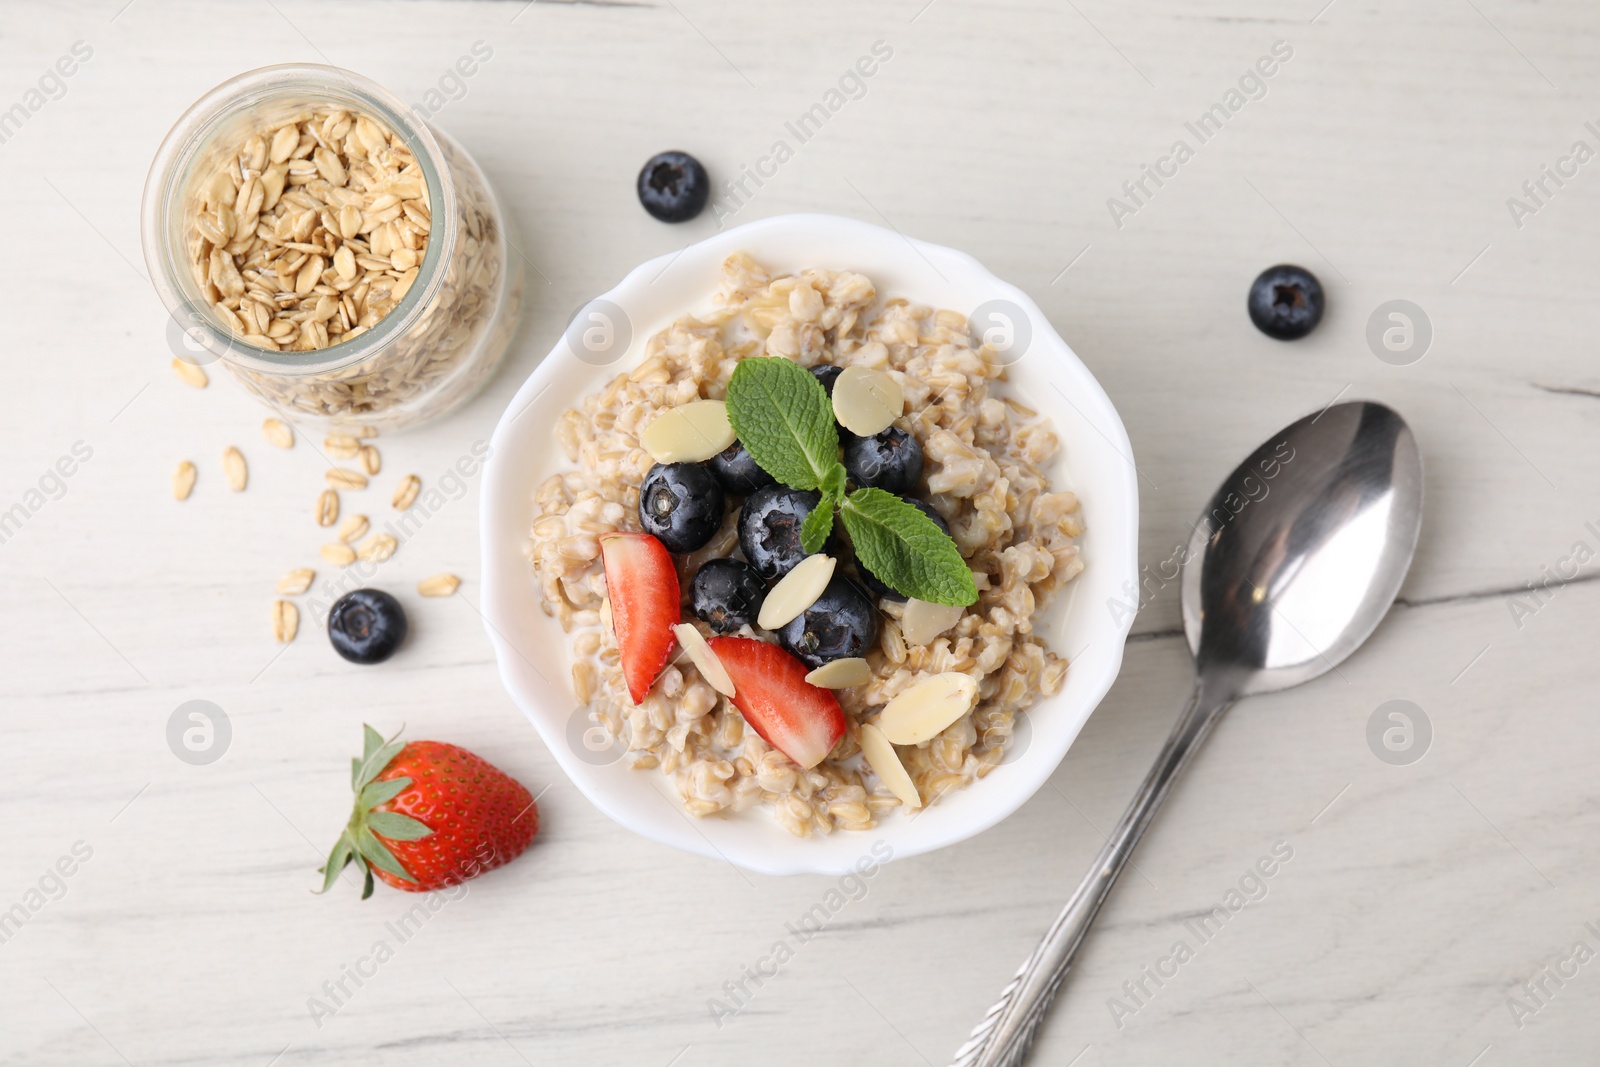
[444, 321]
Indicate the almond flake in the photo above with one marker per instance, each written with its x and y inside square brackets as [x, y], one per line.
[380, 547]
[439, 585]
[339, 554]
[841, 673]
[866, 400]
[688, 433]
[353, 529]
[885, 763]
[233, 467]
[927, 708]
[327, 508]
[296, 581]
[371, 461]
[923, 621]
[704, 658]
[277, 433]
[796, 591]
[343, 479]
[183, 481]
[190, 373]
[285, 621]
[405, 494]
[341, 446]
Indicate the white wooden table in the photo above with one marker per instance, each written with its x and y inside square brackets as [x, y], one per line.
[1419, 899]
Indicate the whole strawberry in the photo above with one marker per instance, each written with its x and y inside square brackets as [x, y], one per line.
[429, 815]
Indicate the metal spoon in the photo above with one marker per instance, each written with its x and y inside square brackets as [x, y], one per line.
[1288, 570]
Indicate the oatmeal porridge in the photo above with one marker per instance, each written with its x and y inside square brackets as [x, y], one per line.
[730, 640]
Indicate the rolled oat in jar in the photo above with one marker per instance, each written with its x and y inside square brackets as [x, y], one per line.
[344, 261]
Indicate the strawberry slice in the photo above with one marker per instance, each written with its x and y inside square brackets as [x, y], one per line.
[643, 585]
[799, 719]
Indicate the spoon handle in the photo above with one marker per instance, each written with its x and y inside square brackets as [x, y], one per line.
[1006, 1033]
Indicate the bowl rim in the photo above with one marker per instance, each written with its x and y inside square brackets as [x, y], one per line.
[501, 597]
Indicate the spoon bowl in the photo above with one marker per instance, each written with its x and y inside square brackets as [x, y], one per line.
[1299, 554]
[1292, 565]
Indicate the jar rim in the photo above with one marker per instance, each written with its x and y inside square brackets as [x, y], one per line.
[165, 242]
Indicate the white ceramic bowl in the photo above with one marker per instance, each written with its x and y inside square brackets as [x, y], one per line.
[1096, 462]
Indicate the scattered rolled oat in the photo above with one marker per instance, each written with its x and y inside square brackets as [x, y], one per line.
[366, 432]
[285, 621]
[339, 554]
[342, 479]
[327, 508]
[234, 468]
[341, 446]
[183, 481]
[405, 494]
[371, 462]
[296, 581]
[439, 585]
[378, 548]
[190, 373]
[353, 529]
[277, 433]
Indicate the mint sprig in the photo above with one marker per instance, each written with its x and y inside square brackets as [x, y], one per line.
[783, 417]
[905, 549]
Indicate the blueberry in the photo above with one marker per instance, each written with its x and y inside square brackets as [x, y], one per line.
[727, 594]
[673, 186]
[842, 623]
[871, 581]
[737, 471]
[366, 626]
[681, 504]
[769, 529]
[1285, 302]
[891, 460]
[827, 374]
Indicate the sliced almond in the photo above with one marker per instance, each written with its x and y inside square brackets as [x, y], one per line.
[285, 621]
[704, 659]
[379, 548]
[867, 400]
[234, 469]
[327, 508]
[339, 554]
[183, 481]
[190, 373]
[439, 585]
[688, 433]
[277, 433]
[841, 673]
[796, 591]
[343, 479]
[353, 529]
[371, 461]
[405, 494]
[927, 708]
[341, 446]
[296, 581]
[885, 763]
[923, 621]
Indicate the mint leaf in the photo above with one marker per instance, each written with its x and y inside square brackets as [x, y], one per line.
[906, 551]
[819, 524]
[782, 416]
